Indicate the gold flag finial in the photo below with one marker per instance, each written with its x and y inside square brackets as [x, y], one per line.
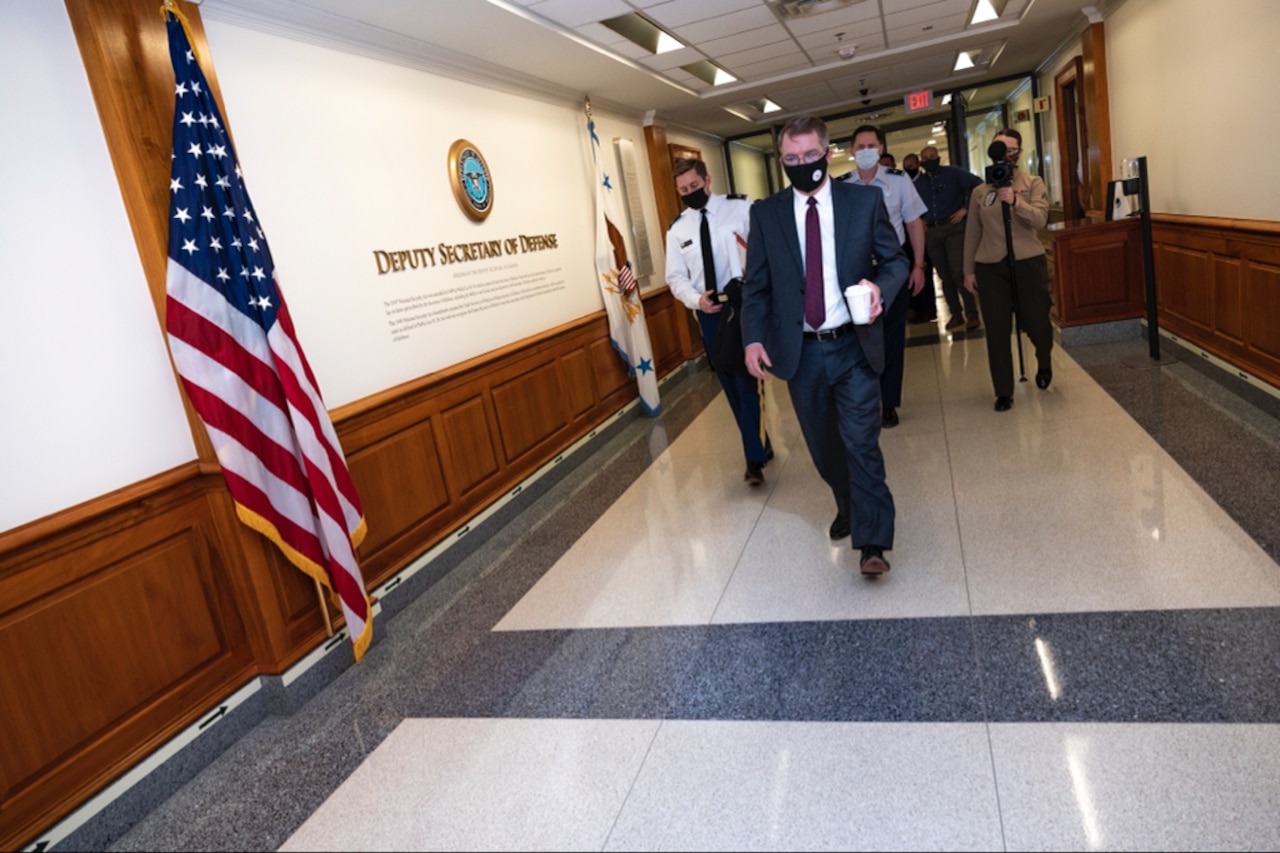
[586, 104]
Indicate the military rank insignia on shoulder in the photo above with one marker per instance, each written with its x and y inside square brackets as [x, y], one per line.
[895, 171]
[737, 196]
[672, 223]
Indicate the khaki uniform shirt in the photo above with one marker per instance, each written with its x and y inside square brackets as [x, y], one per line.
[984, 239]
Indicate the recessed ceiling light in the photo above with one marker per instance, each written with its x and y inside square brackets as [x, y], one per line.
[963, 60]
[708, 72]
[987, 10]
[642, 31]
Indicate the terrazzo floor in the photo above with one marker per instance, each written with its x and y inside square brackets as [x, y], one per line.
[1077, 648]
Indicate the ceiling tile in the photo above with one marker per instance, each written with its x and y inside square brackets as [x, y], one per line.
[923, 14]
[804, 97]
[677, 13]
[771, 67]
[573, 13]
[865, 10]
[745, 41]
[734, 22]
[760, 54]
[935, 28]
[832, 35]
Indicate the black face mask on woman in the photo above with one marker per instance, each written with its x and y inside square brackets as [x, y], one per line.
[807, 177]
[695, 199]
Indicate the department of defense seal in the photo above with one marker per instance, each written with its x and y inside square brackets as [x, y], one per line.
[471, 180]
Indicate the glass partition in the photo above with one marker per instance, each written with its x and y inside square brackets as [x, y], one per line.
[982, 110]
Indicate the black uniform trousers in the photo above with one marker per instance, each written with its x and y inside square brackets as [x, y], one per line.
[995, 292]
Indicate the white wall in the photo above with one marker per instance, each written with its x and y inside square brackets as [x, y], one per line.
[90, 403]
[1192, 87]
[345, 155]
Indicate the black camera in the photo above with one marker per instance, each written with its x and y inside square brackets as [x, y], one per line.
[999, 173]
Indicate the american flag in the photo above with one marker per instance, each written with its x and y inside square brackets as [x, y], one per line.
[627, 329]
[234, 346]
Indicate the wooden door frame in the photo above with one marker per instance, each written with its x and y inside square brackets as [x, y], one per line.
[1070, 135]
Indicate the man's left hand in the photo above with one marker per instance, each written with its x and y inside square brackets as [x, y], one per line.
[877, 303]
[916, 281]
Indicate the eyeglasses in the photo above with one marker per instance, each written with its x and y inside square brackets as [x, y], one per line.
[802, 159]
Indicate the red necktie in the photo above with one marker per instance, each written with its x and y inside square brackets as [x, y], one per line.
[815, 298]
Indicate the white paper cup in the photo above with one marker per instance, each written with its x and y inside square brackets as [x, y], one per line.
[858, 298]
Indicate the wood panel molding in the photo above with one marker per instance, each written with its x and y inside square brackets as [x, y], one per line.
[1218, 287]
[114, 637]
[1097, 273]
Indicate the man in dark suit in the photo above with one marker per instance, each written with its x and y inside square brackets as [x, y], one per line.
[808, 244]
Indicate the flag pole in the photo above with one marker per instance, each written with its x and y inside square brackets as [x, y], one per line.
[169, 7]
[324, 608]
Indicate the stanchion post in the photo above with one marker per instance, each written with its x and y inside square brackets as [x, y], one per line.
[1148, 262]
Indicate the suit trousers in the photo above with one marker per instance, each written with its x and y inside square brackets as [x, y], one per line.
[895, 350]
[945, 245]
[836, 397]
[995, 290]
[742, 392]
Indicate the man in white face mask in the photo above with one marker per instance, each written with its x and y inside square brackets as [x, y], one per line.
[905, 209]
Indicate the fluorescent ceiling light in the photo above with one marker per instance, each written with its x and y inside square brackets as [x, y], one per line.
[987, 10]
[764, 105]
[642, 31]
[708, 72]
[963, 61]
[946, 99]
[667, 42]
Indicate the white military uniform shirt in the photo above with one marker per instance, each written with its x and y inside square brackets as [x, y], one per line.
[900, 196]
[729, 218]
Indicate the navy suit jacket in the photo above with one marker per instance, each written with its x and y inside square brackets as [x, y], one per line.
[773, 290]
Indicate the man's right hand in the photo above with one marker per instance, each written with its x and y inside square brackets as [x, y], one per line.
[756, 360]
[706, 304]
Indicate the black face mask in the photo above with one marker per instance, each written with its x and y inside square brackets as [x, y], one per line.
[930, 166]
[807, 177]
[912, 172]
[695, 199]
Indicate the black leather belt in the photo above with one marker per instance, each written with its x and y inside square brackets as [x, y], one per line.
[937, 224]
[829, 334]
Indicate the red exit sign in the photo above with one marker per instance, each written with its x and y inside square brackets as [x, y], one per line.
[917, 101]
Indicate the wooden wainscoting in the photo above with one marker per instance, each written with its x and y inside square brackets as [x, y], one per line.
[123, 620]
[119, 623]
[427, 455]
[1218, 286]
[1097, 272]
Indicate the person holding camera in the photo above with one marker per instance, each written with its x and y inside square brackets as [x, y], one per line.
[705, 249]
[1005, 212]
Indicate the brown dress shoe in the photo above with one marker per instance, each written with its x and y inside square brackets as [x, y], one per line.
[873, 562]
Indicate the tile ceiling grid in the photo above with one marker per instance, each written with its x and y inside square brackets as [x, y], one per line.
[753, 42]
